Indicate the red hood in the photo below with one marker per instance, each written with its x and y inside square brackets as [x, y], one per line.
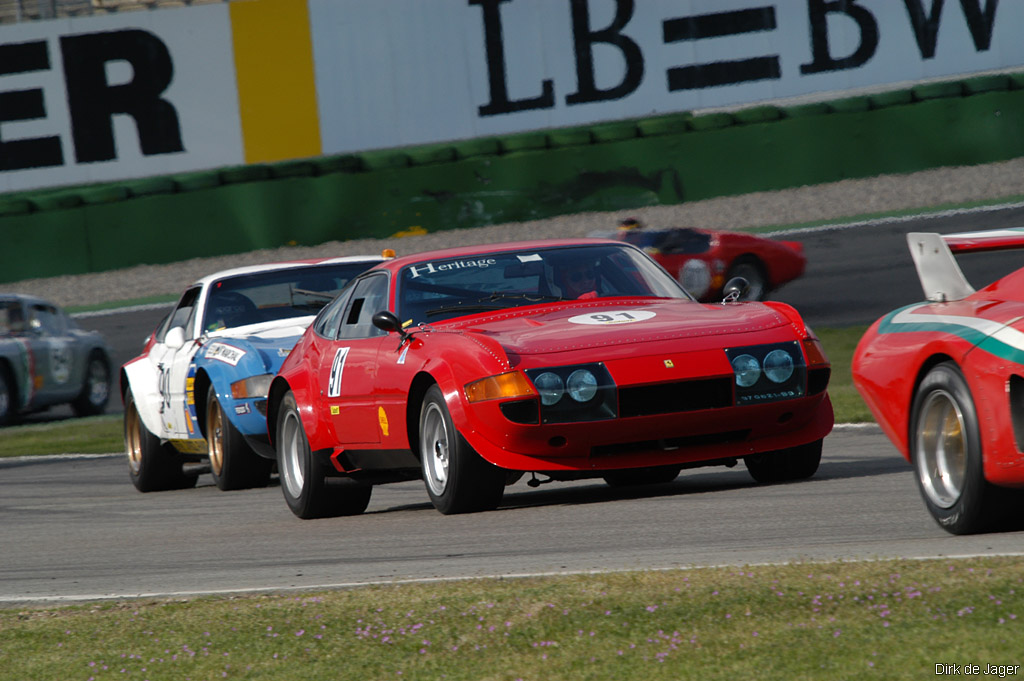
[604, 323]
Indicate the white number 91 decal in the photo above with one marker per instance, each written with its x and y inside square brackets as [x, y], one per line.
[612, 317]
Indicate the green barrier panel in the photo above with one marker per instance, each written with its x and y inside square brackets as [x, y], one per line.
[801, 110]
[15, 206]
[850, 105]
[569, 137]
[937, 91]
[382, 160]
[106, 194]
[664, 125]
[151, 186]
[499, 180]
[437, 153]
[204, 179]
[894, 98]
[293, 169]
[527, 141]
[57, 201]
[712, 121]
[484, 146]
[251, 173]
[993, 83]
[338, 164]
[757, 114]
[613, 132]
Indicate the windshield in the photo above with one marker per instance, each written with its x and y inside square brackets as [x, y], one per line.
[12, 320]
[277, 294]
[432, 290]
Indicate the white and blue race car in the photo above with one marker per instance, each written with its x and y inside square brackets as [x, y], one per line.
[195, 399]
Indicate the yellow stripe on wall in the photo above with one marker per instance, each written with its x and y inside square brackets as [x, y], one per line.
[276, 81]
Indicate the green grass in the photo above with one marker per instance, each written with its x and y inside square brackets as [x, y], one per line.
[872, 620]
[102, 434]
[93, 435]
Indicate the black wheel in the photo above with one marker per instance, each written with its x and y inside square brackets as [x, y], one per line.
[797, 463]
[233, 463]
[751, 269]
[642, 476]
[7, 397]
[945, 448]
[308, 492]
[153, 466]
[458, 480]
[95, 389]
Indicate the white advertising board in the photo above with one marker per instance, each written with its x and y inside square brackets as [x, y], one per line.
[401, 72]
[117, 96]
[145, 93]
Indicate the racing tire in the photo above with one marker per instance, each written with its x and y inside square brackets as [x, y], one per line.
[95, 389]
[7, 397]
[233, 463]
[307, 490]
[458, 479]
[786, 465]
[152, 465]
[945, 449]
[751, 269]
[659, 475]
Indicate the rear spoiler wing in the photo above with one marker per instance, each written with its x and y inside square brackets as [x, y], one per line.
[940, 275]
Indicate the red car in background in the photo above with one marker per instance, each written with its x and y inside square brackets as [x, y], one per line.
[944, 379]
[567, 359]
[703, 260]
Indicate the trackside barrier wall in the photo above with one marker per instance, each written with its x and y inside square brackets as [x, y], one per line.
[612, 166]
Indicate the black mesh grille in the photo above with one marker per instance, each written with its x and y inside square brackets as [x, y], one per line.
[666, 398]
[668, 444]
[817, 380]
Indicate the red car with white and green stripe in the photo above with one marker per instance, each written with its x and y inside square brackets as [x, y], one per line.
[944, 379]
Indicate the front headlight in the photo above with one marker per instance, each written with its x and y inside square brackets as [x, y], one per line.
[582, 385]
[574, 393]
[550, 387]
[254, 386]
[747, 370]
[768, 373]
[778, 366]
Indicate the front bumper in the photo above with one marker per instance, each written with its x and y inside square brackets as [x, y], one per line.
[657, 440]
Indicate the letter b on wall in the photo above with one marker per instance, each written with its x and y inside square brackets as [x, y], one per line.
[92, 100]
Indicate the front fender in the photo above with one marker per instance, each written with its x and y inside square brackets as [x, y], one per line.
[139, 376]
[461, 360]
[214, 366]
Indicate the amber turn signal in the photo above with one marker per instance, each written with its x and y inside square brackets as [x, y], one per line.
[503, 386]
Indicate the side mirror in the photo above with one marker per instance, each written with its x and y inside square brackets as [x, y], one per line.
[175, 338]
[387, 321]
[735, 289]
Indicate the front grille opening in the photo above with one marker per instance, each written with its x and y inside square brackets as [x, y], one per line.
[1017, 410]
[682, 396]
[671, 443]
[817, 380]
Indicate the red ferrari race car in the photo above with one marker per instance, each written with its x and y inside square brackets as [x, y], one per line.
[945, 381]
[579, 358]
[704, 260]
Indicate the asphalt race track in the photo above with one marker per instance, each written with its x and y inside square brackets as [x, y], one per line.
[79, 530]
[76, 529]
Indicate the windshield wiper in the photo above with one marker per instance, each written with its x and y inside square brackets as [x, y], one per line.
[532, 297]
[463, 308]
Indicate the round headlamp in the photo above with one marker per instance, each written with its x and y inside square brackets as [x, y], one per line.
[581, 385]
[747, 370]
[778, 366]
[550, 387]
